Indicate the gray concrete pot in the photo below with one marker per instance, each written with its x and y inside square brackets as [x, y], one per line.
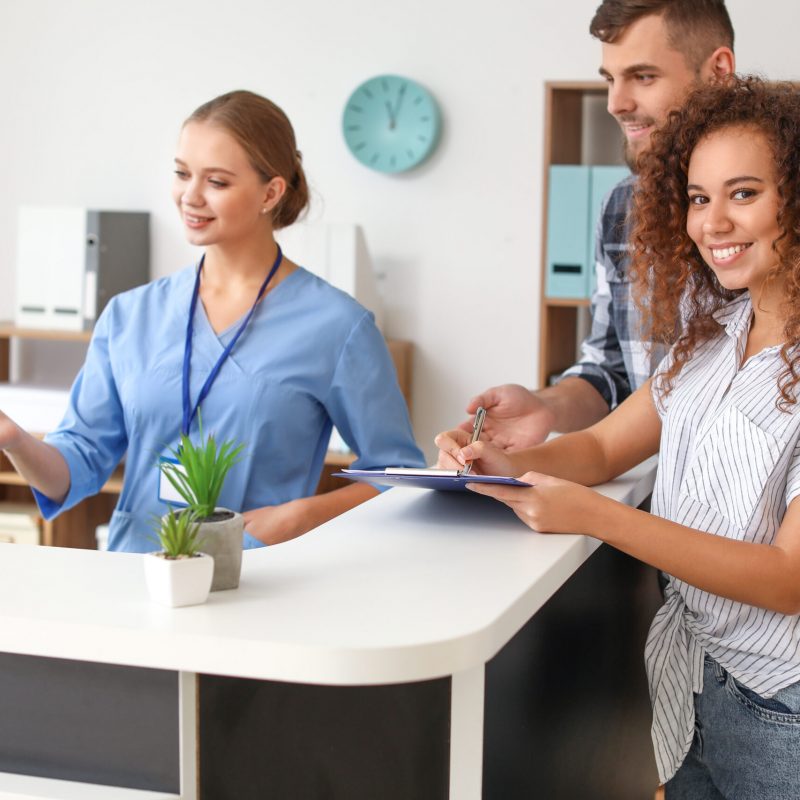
[223, 539]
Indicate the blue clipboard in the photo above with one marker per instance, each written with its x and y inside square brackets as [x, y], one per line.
[443, 480]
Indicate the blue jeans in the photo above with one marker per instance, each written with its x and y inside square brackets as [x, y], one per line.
[745, 747]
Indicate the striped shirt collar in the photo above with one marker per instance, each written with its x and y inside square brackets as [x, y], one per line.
[735, 315]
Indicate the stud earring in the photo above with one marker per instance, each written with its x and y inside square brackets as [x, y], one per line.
[264, 211]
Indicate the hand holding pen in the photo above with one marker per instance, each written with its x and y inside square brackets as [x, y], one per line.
[477, 426]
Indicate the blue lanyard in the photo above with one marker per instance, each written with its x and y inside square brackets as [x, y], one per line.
[189, 413]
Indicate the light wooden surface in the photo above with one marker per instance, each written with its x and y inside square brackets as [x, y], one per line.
[9, 330]
[402, 353]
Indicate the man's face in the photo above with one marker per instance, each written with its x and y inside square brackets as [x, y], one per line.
[646, 79]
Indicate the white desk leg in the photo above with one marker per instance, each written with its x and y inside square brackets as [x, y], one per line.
[466, 734]
[187, 705]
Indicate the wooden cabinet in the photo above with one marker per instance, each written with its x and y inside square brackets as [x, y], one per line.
[578, 130]
[75, 528]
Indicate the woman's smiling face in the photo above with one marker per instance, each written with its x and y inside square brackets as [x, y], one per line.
[220, 196]
[733, 206]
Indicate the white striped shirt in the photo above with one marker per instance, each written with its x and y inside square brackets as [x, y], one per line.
[729, 464]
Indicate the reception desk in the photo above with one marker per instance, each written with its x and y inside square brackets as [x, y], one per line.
[413, 648]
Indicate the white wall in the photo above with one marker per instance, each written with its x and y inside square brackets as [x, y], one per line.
[95, 91]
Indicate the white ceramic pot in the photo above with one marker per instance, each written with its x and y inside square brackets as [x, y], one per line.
[178, 581]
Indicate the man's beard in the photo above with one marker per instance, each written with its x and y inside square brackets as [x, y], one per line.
[629, 153]
[630, 156]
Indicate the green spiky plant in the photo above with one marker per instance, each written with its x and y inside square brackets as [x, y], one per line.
[200, 472]
[177, 534]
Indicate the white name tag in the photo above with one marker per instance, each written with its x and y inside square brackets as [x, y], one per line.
[167, 493]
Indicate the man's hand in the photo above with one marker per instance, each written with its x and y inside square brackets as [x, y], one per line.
[515, 417]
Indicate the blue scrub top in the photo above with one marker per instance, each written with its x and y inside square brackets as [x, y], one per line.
[311, 358]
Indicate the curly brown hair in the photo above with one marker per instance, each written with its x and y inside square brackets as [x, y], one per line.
[675, 290]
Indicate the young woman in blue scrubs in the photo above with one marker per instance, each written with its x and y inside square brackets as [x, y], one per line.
[269, 354]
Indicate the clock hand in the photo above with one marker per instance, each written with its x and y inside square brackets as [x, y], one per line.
[401, 93]
[391, 115]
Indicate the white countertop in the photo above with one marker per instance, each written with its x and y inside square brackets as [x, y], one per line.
[409, 586]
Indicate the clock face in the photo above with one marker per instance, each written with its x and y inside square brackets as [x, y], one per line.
[391, 124]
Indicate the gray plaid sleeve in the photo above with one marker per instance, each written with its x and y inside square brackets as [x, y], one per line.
[602, 363]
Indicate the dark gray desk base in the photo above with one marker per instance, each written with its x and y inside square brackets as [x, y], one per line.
[98, 723]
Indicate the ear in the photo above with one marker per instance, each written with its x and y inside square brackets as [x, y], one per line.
[273, 192]
[719, 64]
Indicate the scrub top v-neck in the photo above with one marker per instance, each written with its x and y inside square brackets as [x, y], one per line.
[190, 407]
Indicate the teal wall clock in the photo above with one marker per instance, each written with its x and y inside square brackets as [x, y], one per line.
[391, 123]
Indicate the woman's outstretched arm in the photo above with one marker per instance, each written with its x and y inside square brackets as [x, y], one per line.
[40, 464]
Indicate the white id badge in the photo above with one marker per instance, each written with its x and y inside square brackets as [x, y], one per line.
[167, 493]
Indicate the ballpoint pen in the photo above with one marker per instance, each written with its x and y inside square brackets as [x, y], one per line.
[477, 426]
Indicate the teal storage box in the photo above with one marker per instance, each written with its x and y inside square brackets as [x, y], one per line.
[602, 180]
[567, 222]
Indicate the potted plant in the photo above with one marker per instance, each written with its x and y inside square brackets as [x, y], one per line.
[178, 575]
[198, 475]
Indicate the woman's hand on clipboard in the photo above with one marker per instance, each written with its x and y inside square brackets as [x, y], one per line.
[456, 451]
[550, 505]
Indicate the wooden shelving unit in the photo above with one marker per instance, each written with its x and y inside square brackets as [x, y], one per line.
[75, 528]
[565, 142]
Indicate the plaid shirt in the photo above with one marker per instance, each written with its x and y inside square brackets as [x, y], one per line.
[614, 359]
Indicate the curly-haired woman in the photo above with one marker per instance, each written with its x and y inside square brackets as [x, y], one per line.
[717, 257]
